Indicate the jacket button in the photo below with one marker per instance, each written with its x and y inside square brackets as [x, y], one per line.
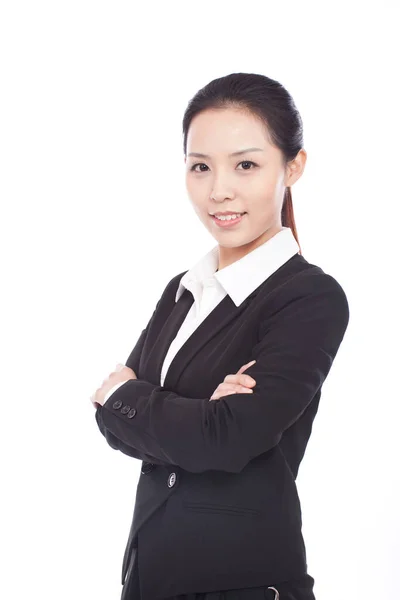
[172, 480]
[125, 409]
[147, 467]
[131, 413]
[117, 404]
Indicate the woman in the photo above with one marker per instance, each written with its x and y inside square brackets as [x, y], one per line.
[219, 394]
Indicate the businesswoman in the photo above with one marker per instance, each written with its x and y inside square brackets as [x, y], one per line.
[218, 396]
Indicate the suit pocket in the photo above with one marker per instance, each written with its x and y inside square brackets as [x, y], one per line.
[201, 507]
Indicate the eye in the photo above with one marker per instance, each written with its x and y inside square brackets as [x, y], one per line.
[249, 162]
[193, 168]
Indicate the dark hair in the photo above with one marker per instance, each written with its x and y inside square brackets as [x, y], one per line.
[268, 100]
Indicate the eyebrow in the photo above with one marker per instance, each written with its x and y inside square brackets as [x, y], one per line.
[199, 155]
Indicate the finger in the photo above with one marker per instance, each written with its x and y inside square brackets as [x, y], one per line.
[94, 401]
[246, 366]
[240, 379]
[218, 396]
[128, 371]
[221, 393]
[237, 388]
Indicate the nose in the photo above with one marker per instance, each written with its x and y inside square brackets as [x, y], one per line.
[221, 189]
[220, 196]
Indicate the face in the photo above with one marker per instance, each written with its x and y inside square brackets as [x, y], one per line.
[252, 182]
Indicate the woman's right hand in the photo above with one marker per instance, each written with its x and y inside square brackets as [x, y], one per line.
[235, 384]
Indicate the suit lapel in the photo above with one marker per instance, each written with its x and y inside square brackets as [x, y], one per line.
[225, 312]
[176, 313]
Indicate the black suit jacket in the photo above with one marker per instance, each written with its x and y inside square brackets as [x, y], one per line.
[216, 504]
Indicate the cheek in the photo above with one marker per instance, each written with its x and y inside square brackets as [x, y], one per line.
[198, 196]
[200, 210]
[262, 196]
[263, 186]
[195, 190]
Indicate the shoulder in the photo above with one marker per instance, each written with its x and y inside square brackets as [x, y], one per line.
[312, 281]
[304, 293]
[298, 275]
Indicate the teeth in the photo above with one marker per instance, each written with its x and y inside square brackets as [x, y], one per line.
[228, 217]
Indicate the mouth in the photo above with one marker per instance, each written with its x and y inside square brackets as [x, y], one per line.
[226, 223]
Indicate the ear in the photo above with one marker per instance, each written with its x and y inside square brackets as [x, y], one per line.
[295, 168]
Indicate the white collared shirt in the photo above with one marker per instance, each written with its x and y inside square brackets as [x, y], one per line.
[238, 280]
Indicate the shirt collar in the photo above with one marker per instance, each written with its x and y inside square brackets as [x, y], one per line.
[245, 275]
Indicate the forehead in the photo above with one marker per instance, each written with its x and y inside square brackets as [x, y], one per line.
[226, 130]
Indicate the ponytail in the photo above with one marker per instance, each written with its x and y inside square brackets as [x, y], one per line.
[288, 214]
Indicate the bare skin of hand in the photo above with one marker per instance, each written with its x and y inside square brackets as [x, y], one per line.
[122, 373]
[238, 383]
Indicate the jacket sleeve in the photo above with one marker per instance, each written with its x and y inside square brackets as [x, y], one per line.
[113, 389]
[294, 353]
[112, 440]
[117, 444]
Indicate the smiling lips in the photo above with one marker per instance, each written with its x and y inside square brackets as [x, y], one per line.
[227, 222]
[227, 212]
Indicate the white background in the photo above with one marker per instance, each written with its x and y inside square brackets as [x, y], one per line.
[94, 209]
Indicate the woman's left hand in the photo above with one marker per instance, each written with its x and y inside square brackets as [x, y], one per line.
[122, 373]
